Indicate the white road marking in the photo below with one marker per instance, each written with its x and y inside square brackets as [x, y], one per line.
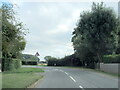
[66, 73]
[81, 87]
[56, 69]
[72, 78]
[61, 70]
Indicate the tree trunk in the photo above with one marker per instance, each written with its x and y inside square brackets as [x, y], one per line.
[99, 59]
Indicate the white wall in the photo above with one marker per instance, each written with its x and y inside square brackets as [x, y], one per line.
[112, 68]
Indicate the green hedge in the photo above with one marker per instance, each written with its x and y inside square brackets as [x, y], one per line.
[9, 64]
[29, 62]
[111, 58]
[16, 63]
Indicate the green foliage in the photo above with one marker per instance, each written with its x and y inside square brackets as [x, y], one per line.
[70, 60]
[16, 63]
[25, 70]
[9, 64]
[21, 78]
[118, 37]
[28, 59]
[112, 58]
[13, 32]
[29, 62]
[47, 58]
[52, 61]
[95, 34]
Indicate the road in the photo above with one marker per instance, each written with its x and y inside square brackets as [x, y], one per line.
[63, 77]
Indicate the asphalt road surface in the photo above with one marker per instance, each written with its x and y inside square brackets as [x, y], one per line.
[63, 77]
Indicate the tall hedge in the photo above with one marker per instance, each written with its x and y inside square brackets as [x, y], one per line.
[16, 63]
[29, 62]
[9, 64]
[111, 58]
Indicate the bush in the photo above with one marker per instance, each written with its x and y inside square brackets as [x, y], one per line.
[29, 62]
[111, 58]
[9, 64]
[6, 64]
[16, 63]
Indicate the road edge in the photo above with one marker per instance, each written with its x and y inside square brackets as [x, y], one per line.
[33, 85]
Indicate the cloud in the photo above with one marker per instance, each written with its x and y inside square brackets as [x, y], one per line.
[61, 1]
[51, 26]
[68, 22]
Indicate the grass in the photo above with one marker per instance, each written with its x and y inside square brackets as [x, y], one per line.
[25, 70]
[21, 78]
[0, 80]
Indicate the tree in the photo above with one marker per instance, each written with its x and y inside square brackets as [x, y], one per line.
[94, 35]
[70, 60]
[13, 33]
[47, 58]
[0, 44]
[117, 50]
[51, 61]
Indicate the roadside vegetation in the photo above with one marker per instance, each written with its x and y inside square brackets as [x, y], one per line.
[28, 59]
[0, 80]
[13, 41]
[111, 58]
[21, 78]
[96, 39]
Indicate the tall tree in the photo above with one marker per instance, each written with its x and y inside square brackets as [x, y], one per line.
[117, 49]
[94, 35]
[13, 32]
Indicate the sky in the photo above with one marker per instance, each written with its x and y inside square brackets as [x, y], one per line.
[51, 24]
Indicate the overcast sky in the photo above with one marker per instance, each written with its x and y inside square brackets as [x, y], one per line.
[51, 25]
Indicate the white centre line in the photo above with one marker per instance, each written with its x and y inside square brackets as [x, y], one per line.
[56, 69]
[72, 78]
[66, 73]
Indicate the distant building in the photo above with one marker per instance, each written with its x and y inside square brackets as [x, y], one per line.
[119, 9]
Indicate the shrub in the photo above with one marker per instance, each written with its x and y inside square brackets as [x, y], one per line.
[30, 62]
[16, 63]
[6, 64]
[111, 58]
[9, 64]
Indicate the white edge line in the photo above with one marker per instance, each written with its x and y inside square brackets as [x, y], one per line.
[81, 87]
[72, 78]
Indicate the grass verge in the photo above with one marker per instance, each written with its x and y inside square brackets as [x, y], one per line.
[0, 80]
[21, 78]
